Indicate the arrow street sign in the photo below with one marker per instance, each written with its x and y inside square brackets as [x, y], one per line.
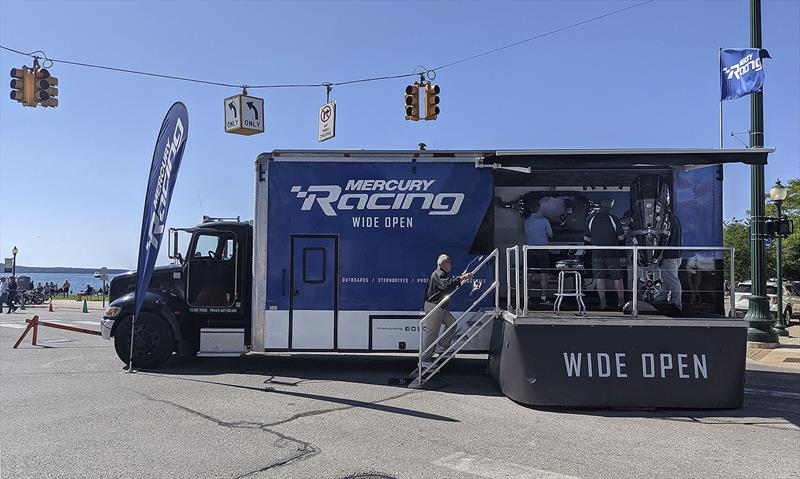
[252, 108]
[244, 115]
[327, 121]
[233, 120]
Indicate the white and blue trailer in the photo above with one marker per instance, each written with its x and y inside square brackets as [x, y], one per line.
[342, 245]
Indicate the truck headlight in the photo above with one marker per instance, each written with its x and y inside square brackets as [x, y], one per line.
[112, 312]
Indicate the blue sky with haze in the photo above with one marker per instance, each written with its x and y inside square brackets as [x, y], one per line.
[72, 179]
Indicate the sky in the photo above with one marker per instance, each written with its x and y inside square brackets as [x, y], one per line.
[72, 179]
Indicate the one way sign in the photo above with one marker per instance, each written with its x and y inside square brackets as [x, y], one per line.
[244, 115]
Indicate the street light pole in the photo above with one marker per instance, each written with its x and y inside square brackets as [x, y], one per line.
[758, 315]
[14, 252]
[781, 326]
[778, 193]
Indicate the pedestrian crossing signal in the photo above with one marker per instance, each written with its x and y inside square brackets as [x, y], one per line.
[412, 102]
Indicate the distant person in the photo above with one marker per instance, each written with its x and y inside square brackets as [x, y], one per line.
[65, 288]
[3, 292]
[440, 285]
[538, 232]
[11, 295]
[605, 229]
[89, 291]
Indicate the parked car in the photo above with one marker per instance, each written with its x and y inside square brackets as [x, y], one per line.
[791, 299]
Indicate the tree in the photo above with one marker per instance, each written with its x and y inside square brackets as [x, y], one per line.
[791, 245]
[736, 233]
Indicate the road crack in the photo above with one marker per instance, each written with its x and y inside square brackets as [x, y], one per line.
[317, 412]
[303, 449]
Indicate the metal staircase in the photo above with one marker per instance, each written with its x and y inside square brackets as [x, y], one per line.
[423, 374]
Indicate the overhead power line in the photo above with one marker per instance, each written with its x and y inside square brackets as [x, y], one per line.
[40, 55]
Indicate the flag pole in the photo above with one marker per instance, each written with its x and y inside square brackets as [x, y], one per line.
[130, 358]
[721, 141]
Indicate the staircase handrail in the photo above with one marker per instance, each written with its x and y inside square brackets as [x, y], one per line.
[495, 286]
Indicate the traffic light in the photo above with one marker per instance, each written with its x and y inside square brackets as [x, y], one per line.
[431, 101]
[412, 102]
[22, 86]
[45, 90]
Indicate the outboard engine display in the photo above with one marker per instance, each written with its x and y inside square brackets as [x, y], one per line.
[650, 226]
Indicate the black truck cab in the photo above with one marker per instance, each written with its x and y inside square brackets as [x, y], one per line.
[210, 287]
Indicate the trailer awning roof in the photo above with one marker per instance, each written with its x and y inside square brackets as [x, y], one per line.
[626, 158]
[545, 159]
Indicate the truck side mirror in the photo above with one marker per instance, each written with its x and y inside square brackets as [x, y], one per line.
[173, 246]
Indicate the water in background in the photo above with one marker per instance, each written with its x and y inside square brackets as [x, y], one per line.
[77, 281]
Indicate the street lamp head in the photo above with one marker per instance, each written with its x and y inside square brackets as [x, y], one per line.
[14, 251]
[778, 192]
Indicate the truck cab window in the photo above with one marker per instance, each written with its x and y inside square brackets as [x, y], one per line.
[212, 270]
[206, 246]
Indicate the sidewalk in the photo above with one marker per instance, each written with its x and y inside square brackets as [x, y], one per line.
[68, 304]
[787, 354]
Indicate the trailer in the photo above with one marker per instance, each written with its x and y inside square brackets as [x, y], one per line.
[342, 244]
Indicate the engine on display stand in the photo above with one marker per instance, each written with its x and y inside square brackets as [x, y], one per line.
[650, 226]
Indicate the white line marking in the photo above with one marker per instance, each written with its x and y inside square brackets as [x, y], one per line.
[15, 326]
[495, 469]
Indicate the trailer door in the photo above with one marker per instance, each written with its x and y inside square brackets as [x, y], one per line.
[314, 300]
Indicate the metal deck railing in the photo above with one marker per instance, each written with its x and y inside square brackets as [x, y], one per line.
[634, 269]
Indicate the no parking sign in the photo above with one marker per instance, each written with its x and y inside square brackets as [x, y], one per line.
[327, 121]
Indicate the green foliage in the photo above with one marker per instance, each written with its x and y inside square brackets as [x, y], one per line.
[736, 233]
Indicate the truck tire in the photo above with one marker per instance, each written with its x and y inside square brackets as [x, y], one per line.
[153, 341]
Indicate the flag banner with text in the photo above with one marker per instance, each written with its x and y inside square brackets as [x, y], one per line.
[163, 172]
[741, 71]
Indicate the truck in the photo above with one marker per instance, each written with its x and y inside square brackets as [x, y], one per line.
[342, 243]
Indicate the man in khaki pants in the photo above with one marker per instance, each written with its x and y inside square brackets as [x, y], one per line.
[440, 285]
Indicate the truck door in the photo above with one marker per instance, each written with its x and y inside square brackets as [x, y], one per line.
[313, 301]
[211, 276]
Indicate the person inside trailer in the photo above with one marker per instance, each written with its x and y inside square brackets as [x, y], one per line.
[538, 232]
[604, 228]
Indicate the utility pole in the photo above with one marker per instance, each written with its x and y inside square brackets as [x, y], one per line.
[758, 315]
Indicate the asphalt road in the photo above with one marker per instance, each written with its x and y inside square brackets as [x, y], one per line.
[68, 409]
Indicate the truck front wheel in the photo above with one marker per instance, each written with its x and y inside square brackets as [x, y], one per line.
[153, 342]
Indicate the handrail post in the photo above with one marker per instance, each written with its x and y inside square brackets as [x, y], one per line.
[525, 279]
[419, 355]
[635, 282]
[731, 288]
[516, 280]
[497, 279]
[508, 279]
